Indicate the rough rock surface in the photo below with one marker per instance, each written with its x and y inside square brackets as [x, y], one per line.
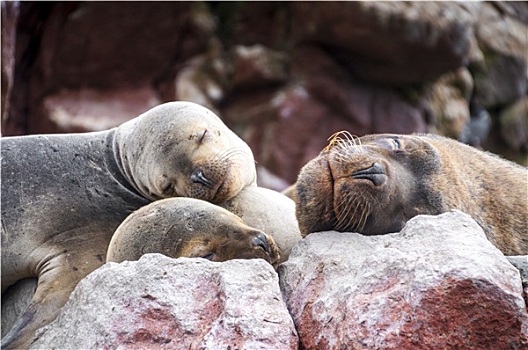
[158, 302]
[388, 42]
[437, 284]
[501, 75]
[521, 263]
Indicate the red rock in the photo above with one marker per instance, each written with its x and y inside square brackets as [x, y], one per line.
[256, 66]
[93, 110]
[164, 303]
[108, 45]
[438, 284]
[389, 42]
[259, 22]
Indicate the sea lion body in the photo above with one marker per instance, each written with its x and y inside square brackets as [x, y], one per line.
[374, 184]
[269, 211]
[63, 196]
[187, 227]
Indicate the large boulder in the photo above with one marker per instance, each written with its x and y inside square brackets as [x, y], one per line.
[439, 283]
[87, 110]
[158, 302]
[500, 65]
[389, 42]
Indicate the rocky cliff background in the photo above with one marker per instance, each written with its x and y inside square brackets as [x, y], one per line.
[283, 75]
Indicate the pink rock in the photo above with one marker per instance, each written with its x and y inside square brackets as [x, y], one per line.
[389, 42]
[437, 284]
[105, 44]
[257, 66]
[164, 303]
[93, 110]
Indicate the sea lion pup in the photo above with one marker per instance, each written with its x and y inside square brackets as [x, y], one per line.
[189, 227]
[374, 184]
[63, 196]
[269, 211]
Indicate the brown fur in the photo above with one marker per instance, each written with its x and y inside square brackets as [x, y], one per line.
[187, 227]
[420, 174]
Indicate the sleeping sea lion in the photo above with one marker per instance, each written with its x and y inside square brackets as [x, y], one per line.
[188, 227]
[63, 196]
[374, 184]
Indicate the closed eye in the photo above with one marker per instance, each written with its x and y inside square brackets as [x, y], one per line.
[202, 138]
[390, 143]
[209, 256]
[396, 143]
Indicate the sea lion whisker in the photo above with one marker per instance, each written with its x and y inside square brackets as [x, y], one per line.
[341, 204]
[363, 219]
[341, 158]
[343, 145]
[232, 154]
[348, 135]
[344, 214]
[226, 154]
[333, 139]
[358, 209]
[331, 142]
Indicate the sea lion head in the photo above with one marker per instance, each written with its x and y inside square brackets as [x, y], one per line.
[187, 227]
[181, 149]
[370, 185]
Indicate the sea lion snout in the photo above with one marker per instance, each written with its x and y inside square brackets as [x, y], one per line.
[375, 173]
[261, 240]
[198, 177]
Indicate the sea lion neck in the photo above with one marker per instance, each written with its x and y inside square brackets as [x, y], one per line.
[118, 166]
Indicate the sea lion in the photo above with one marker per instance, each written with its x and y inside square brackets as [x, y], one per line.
[269, 211]
[289, 191]
[374, 184]
[189, 227]
[63, 196]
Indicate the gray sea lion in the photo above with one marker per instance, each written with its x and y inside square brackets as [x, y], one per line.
[63, 196]
[269, 211]
[374, 184]
[187, 227]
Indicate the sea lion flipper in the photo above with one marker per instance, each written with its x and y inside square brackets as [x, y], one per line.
[57, 278]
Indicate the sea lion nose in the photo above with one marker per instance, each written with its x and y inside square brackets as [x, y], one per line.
[261, 240]
[375, 173]
[199, 177]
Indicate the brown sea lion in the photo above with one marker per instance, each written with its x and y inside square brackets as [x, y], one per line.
[63, 196]
[374, 184]
[187, 227]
